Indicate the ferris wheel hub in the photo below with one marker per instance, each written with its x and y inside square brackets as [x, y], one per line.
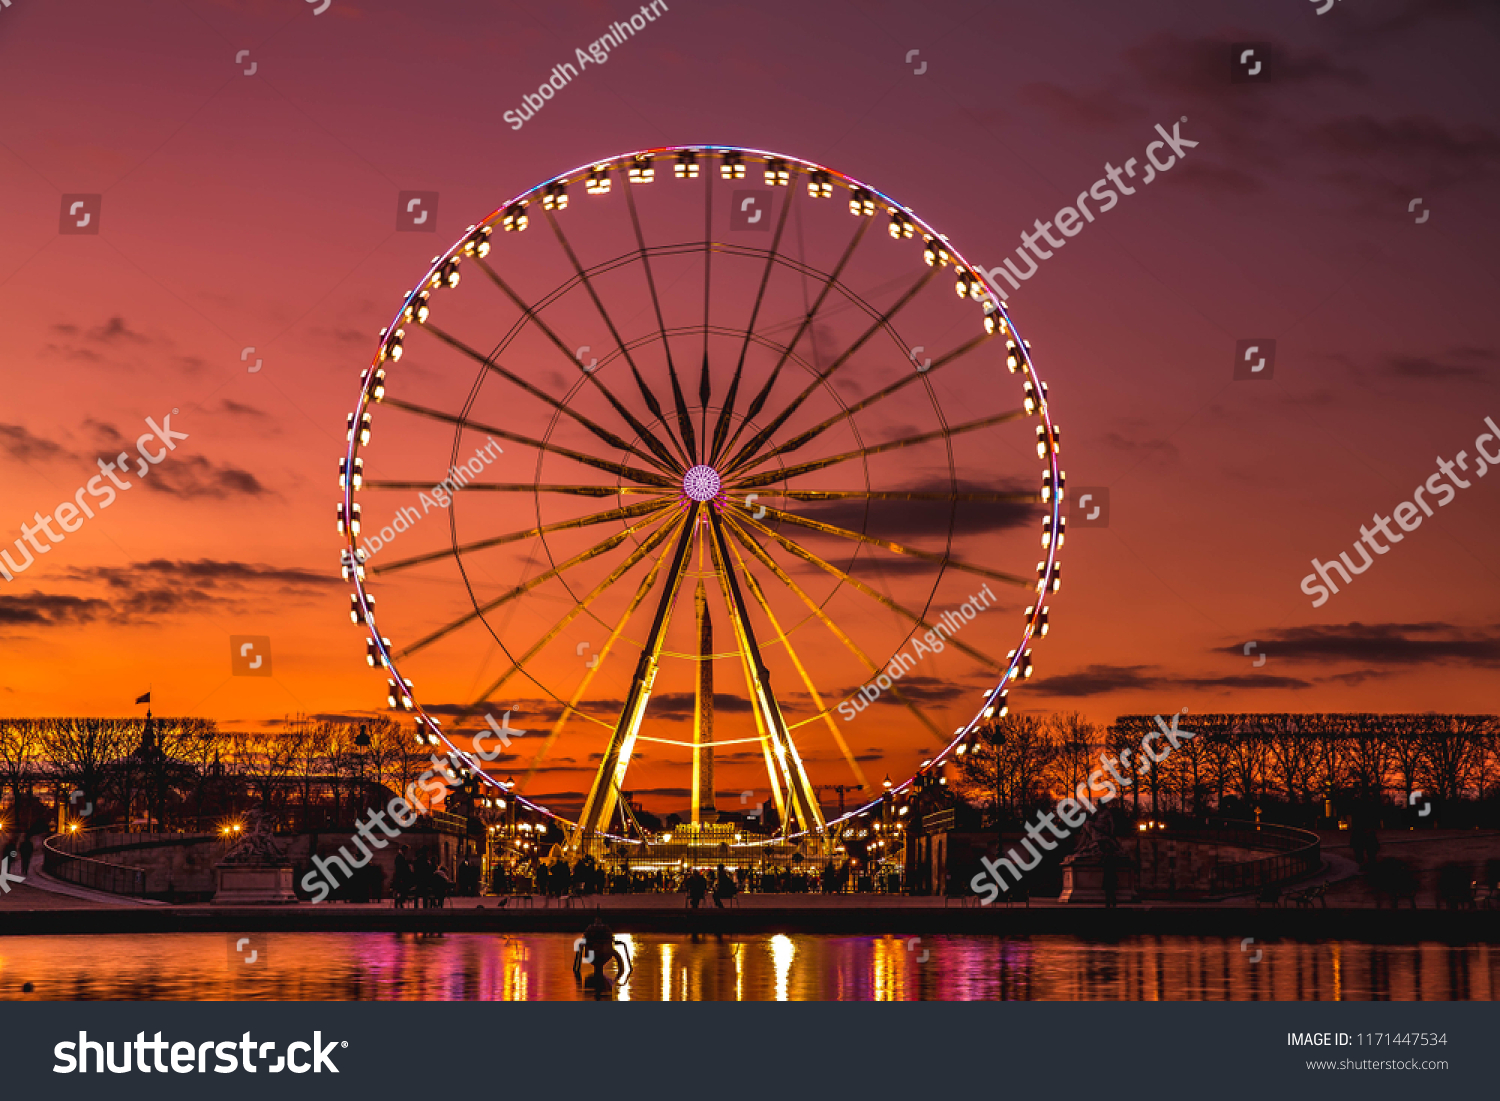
[702, 483]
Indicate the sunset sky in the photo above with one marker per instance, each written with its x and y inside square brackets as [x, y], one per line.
[259, 212]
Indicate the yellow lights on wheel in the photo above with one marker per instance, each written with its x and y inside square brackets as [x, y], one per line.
[514, 220]
[555, 197]
[372, 651]
[994, 320]
[377, 388]
[417, 309]
[935, 252]
[478, 242]
[352, 565]
[349, 519]
[1023, 667]
[1041, 575]
[391, 344]
[401, 698]
[1032, 402]
[1048, 533]
[363, 427]
[1048, 489]
[731, 167]
[819, 186]
[641, 170]
[1015, 356]
[1047, 442]
[359, 612]
[359, 472]
[861, 203]
[686, 167]
[1041, 620]
[776, 173]
[598, 180]
[900, 226]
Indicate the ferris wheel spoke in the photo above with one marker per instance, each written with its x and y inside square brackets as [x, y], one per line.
[774, 476]
[823, 617]
[527, 487]
[588, 285]
[647, 545]
[827, 567]
[626, 512]
[641, 591]
[721, 426]
[903, 495]
[635, 474]
[758, 402]
[859, 406]
[603, 433]
[667, 462]
[943, 560]
[526, 586]
[684, 421]
[781, 418]
[807, 682]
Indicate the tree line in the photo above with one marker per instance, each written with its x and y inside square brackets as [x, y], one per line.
[190, 773]
[1293, 767]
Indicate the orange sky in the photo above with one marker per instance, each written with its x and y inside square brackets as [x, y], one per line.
[258, 212]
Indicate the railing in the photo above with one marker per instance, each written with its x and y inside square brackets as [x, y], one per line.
[87, 871]
[1299, 853]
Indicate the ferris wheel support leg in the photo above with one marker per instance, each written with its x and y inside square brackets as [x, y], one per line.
[801, 797]
[600, 804]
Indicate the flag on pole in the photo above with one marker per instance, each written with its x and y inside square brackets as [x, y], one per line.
[143, 699]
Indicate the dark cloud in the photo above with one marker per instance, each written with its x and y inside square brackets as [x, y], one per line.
[1178, 68]
[236, 409]
[198, 477]
[1148, 448]
[1456, 363]
[1096, 680]
[1384, 644]
[901, 520]
[1442, 153]
[679, 704]
[115, 331]
[19, 443]
[207, 573]
[103, 434]
[164, 587]
[49, 610]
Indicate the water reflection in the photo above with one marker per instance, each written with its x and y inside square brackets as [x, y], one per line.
[538, 967]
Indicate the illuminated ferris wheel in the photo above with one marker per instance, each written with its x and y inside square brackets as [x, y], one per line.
[709, 483]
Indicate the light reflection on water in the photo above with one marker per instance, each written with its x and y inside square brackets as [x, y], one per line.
[538, 967]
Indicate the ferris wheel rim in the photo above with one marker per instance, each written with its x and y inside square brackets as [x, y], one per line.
[1047, 569]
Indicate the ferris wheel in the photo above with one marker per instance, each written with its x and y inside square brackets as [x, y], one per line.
[718, 472]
